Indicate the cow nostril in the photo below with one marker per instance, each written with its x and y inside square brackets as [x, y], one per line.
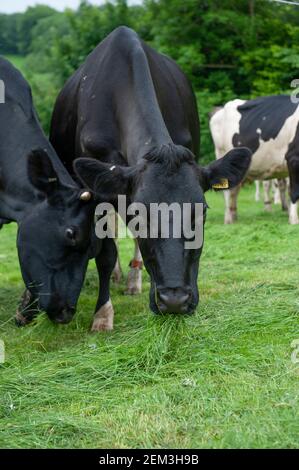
[171, 301]
[184, 298]
[163, 297]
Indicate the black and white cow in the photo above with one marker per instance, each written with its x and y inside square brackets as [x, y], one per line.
[131, 113]
[269, 127]
[37, 192]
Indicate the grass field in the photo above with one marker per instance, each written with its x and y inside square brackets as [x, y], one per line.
[17, 60]
[219, 379]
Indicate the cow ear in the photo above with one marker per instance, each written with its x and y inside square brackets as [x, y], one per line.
[41, 172]
[228, 171]
[106, 181]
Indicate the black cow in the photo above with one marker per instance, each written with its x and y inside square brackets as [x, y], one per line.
[133, 111]
[38, 193]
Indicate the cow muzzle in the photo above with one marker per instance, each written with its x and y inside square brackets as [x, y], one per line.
[64, 317]
[174, 300]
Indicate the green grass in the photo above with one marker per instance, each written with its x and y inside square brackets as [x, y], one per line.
[17, 60]
[219, 379]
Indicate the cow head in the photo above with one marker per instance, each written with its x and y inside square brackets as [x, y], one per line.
[53, 240]
[167, 175]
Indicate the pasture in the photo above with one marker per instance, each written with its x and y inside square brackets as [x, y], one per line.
[18, 61]
[222, 378]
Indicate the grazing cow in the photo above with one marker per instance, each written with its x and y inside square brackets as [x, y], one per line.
[131, 115]
[269, 127]
[37, 192]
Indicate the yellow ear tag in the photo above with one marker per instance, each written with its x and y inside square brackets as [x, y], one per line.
[222, 185]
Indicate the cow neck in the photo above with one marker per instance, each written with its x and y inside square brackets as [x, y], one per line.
[141, 122]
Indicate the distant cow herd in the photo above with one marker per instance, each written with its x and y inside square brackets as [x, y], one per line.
[126, 123]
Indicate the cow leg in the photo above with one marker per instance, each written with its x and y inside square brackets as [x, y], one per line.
[134, 282]
[276, 191]
[282, 187]
[105, 262]
[230, 198]
[257, 190]
[293, 214]
[113, 225]
[27, 309]
[117, 271]
[267, 197]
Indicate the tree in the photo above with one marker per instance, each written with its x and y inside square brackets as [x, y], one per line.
[27, 22]
[9, 33]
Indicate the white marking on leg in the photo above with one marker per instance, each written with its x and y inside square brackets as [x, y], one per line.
[231, 205]
[228, 217]
[282, 188]
[276, 192]
[134, 281]
[293, 214]
[117, 271]
[257, 190]
[267, 198]
[103, 319]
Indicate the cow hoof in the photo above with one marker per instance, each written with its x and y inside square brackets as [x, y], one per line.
[117, 273]
[103, 319]
[116, 277]
[134, 283]
[20, 320]
[27, 309]
[268, 208]
[293, 221]
[229, 219]
[133, 290]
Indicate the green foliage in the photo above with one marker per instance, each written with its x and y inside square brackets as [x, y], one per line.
[26, 24]
[86, 28]
[270, 70]
[206, 102]
[228, 48]
[9, 33]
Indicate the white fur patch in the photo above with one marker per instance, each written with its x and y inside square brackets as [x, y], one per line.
[103, 319]
[293, 214]
[224, 124]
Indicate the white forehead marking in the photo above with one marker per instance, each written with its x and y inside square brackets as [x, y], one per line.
[258, 131]
[112, 167]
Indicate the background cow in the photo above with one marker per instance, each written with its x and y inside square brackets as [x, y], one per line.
[269, 127]
[37, 192]
[133, 110]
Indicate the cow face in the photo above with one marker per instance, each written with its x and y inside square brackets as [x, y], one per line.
[53, 239]
[168, 176]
